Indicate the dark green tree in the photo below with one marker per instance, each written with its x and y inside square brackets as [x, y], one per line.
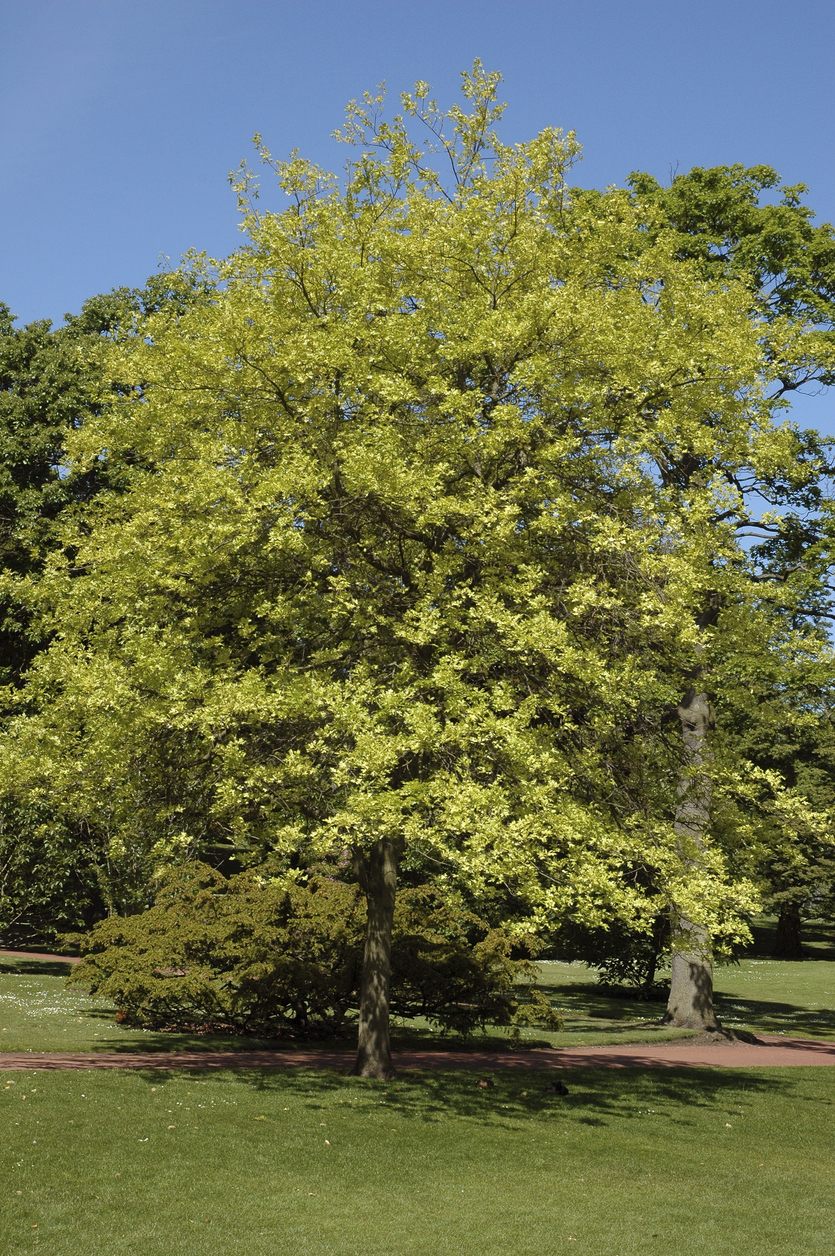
[54, 876]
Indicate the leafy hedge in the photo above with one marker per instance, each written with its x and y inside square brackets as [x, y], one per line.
[263, 956]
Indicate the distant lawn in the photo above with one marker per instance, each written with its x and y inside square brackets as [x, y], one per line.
[631, 1163]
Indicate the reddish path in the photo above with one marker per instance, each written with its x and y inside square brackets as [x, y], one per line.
[770, 1051]
[53, 959]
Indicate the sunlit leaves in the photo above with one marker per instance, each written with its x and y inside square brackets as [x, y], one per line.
[423, 507]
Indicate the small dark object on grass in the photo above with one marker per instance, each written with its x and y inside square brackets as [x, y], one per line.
[556, 1088]
[485, 1083]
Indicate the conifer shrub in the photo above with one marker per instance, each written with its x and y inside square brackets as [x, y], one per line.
[267, 956]
[451, 967]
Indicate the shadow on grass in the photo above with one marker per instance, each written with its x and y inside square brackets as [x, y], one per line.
[764, 1015]
[770, 1017]
[597, 1097]
[143, 1040]
[589, 1000]
[590, 1004]
[165, 1041]
[403, 1038]
[34, 967]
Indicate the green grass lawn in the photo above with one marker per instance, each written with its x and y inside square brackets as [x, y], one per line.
[631, 1163]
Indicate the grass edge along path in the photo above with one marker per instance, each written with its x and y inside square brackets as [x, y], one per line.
[767, 1052]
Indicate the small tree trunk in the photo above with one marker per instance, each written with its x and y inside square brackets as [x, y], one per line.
[377, 872]
[691, 990]
[659, 937]
[787, 943]
[652, 968]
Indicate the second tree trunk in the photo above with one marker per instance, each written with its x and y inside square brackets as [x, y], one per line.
[691, 990]
[787, 942]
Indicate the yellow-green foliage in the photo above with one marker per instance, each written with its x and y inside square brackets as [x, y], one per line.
[399, 555]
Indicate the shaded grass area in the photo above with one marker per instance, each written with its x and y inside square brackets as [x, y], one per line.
[631, 1162]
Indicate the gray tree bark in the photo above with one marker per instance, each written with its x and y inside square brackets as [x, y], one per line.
[377, 872]
[691, 990]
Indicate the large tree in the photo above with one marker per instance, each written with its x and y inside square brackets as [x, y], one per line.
[391, 568]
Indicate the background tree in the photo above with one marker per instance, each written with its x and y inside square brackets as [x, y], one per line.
[54, 874]
[716, 219]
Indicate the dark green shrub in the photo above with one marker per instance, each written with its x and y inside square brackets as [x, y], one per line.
[242, 952]
[50, 876]
[630, 961]
[449, 966]
[263, 956]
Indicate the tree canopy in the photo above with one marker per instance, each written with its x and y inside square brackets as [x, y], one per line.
[428, 512]
[53, 868]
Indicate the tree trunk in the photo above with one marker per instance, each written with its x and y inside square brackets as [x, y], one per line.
[377, 872]
[691, 990]
[690, 1004]
[659, 939]
[787, 943]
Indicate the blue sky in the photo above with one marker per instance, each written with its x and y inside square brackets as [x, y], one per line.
[120, 119]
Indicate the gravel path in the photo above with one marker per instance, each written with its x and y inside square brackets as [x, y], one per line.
[769, 1051]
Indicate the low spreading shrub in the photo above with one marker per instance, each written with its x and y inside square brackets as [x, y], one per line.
[450, 967]
[268, 956]
[629, 962]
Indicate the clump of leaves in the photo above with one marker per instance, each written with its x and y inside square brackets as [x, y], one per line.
[49, 875]
[274, 956]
